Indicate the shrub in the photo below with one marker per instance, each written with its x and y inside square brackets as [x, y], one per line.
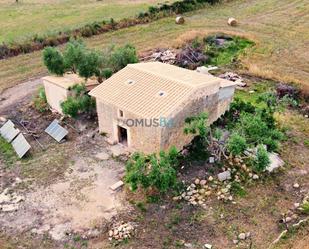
[40, 101]
[73, 54]
[261, 161]
[236, 144]
[89, 64]
[121, 57]
[152, 171]
[79, 102]
[197, 125]
[54, 61]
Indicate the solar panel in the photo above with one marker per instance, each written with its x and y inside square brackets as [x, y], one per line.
[56, 131]
[8, 131]
[20, 145]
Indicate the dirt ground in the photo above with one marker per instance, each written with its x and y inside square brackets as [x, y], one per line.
[67, 202]
[65, 188]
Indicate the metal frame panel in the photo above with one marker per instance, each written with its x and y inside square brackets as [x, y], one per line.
[56, 131]
[20, 145]
[8, 131]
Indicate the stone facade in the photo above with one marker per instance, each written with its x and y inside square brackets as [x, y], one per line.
[148, 138]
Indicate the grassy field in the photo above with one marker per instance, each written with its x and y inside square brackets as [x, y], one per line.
[29, 17]
[281, 39]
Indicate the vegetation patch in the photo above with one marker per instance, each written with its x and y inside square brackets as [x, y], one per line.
[7, 154]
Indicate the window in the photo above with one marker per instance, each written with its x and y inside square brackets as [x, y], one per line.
[121, 113]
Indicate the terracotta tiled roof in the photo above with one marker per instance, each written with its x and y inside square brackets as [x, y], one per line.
[138, 88]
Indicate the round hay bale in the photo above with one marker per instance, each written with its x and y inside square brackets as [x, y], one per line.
[180, 20]
[232, 21]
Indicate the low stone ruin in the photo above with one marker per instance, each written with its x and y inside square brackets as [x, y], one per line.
[122, 231]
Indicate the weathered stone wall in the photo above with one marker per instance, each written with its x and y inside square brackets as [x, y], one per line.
[140, 138]
[55, 95]
[175, 135]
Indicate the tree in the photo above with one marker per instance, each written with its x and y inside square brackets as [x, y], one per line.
[54, 61]
[122, 56]
[236, 144]
[261, 161]
[89, 64]
[73, 54]
[197, 125]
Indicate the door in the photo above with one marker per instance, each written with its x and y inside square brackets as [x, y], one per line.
[123, 135]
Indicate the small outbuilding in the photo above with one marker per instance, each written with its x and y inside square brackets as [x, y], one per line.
[144, 106]
[57, 88]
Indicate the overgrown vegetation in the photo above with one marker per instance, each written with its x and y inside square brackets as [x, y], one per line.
[40, 101]
[78, 102]
[77, 58]
[7, 153]
[153, 172]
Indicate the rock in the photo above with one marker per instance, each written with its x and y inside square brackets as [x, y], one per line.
[102, 156]
[188, 245]
[296, 205]
[205, 70]
[211, 159]
[296, 185]
[110, 233]
[248, 235]
[275, 162]
[117, 185]
[210, 178]
[255, 177]
[197, 181]
[242, 236]
[203, 182]
[226, 175]
[208, 246]
[9, 207]
[232, 21]
[235, 241]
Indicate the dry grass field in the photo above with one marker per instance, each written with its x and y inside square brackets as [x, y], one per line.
[21, 20]
[280, 29]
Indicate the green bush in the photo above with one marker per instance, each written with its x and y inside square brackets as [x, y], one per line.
[89, 64]
[40, 101]
[79, 102]
[236, 144]
[197, 125]
[261, 161]
[54, 61]
[121, 57]
[73, 54]
[152, 171]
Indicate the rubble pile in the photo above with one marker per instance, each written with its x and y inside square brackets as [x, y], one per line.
[201, 189]
[122, 231]
[162, 55]
[233, 77]
[191, 57]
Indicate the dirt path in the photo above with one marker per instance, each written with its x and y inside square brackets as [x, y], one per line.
[18, 93]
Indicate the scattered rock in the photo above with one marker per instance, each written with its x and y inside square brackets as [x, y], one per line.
[9, 207]
[117, 185]
[226, 175]
[122, 231]
[242, 236]
[233, 77]
[296, 185]
[275, 162]
[208, 246]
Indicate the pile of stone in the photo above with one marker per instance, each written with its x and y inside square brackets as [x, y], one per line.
[191, 58]
[162, 55]
[200, 189]
[9, 201]
[233, 77]
[122, 231]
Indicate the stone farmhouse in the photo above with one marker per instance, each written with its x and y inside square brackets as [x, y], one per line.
[144, 105]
